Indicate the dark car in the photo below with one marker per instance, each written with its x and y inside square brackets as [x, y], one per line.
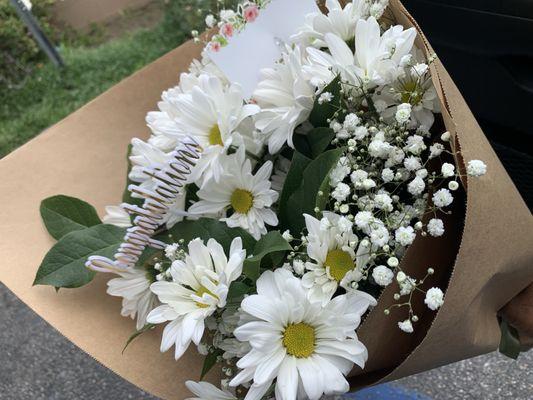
[487, 47]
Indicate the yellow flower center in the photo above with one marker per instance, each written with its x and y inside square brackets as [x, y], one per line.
[241, 201]
[411, 93]
[215, 137]
[339, 263]
[200, 292]
[299, 340]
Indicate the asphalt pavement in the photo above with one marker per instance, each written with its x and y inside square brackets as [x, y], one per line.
[38, 363]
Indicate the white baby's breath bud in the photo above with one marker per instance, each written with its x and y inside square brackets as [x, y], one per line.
[416, 186]
[442, 198]
[447, 170]
[406, 326]
[325, 97]
[387, 175]
[431, 271]
[419, 225]
[422, 173]
[435, 227]
[336, 126]
[434, 298]
[400, 276]
[412, 163]
[476, 168]
[403, 113]
[368, 184]
[393, 262]
[360, 132]
[396, 296]
[435, 150]
[344, 208]
[445, 136]
[405, 235]
[453, 185]
[414, 318]
[382, 275]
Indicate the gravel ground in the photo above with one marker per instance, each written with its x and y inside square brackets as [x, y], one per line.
[38, 363]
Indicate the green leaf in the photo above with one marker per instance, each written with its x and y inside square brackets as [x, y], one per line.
[292, 183]
[126, 196]
[237, 290]
[64, 265]
[209, 362]
[322, 112]
[205, 229]
[63, 214]
[314, 142]
[136, 334]
[315, 178]
[510, 341]
[319, 140]
[269, 244]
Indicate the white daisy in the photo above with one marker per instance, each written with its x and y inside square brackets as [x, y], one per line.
[306, 347]
[133, 285]
[207, 391]
[340, 21]
[335, 256]
[415, 88]
[376, 57]
[198, 288]
[286, 99]
[212, 114]
[248, 195]
[165, 132]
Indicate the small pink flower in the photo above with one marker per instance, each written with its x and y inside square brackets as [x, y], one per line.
[227, 30]
[250, 13]
[215, 46]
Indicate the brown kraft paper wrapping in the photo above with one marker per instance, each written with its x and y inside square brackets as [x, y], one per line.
[84, 156]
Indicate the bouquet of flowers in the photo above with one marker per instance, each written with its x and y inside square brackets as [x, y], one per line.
[302, 237]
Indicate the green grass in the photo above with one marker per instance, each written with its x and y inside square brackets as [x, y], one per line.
[50, 94]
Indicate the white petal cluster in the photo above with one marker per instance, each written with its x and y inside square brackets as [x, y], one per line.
[434, 298]
[305, 346]
[198, 287]
[382, 275]
[247, 195]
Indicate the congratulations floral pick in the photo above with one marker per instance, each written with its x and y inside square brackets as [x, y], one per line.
[259, 44]
[291, 229]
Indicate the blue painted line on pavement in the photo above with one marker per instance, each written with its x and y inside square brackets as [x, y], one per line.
[387, 392]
